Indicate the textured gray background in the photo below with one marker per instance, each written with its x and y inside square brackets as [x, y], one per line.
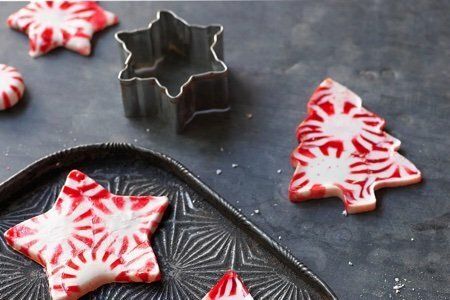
[394, 54]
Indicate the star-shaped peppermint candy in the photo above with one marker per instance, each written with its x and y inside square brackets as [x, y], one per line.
[69, 24]
[344, 152]
[229, 287]
[91, 237]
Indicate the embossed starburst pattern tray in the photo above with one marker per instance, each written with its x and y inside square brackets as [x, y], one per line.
[201, 235]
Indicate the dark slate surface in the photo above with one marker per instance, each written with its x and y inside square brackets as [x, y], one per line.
[393, 54]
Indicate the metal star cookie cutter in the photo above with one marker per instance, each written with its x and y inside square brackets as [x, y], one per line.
[173, 71]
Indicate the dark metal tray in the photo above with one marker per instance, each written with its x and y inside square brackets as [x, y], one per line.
[201, 235]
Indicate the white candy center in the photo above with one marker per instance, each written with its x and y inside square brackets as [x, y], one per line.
[5, 81]
[92, 275]
[328, 169]
[342, 127]
[59, 227]
[51, 17]
[123, 222]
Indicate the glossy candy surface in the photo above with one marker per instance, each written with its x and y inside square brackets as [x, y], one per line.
[229, 287]
[12, 86]
[344, 152]
[91, 237]
[69, 24]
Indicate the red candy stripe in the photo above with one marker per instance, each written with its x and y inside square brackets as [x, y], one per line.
[91, 237]
[229, 287]
[12, 86]
[69, 24]
[344, 152]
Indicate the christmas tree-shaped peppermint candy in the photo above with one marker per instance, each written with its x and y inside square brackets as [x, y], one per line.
[343, 151]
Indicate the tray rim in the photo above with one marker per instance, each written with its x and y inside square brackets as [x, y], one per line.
[33, 171]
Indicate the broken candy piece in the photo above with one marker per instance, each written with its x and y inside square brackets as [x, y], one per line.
[12, 86]
[229, 287]
[69, 24]
[91, 237]
[344, 152]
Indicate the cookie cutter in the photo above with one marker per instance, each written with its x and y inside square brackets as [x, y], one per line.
[173, 71]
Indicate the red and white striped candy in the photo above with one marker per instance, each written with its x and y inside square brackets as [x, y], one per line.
[53, 237]
[229, 287]
[124, 222]
[84, 272]
[93, 268]
[91, 237]
[344, 152]
[69, 24]
[12, 86]
[336, 113]
[327, 171]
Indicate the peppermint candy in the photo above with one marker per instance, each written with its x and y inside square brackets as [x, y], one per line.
[344, 152]
[336, 113]
[12, 86]
[69, 24]
[91, 237]
[229, 287]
